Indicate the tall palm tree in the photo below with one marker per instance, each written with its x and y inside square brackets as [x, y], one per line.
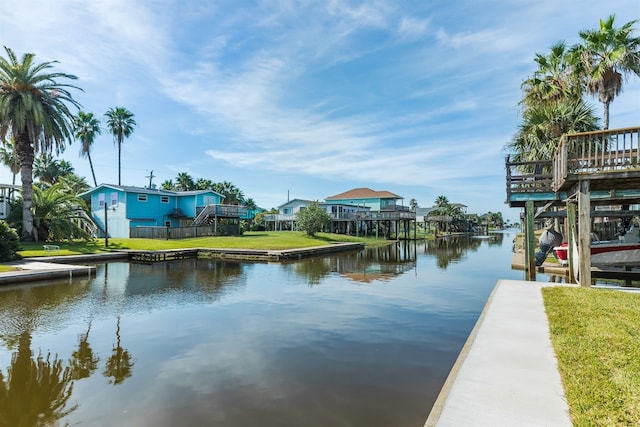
[34, 111]
[120, 123]
[553, 80]
[184, 182]
[86, 127]
[605, 57]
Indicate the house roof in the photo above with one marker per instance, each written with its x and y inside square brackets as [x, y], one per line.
[144, 190]
[364, 193]
[296, 200]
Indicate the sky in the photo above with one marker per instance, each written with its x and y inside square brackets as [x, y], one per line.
[307, 99]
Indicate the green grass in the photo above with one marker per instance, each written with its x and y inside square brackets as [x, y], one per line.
[277, 240]
[596, 336]
[5, 268]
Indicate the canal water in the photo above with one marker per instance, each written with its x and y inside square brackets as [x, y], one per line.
[353, 339]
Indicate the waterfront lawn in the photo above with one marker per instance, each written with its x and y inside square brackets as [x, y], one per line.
[596, 336]
[274, 240]
[5, 268]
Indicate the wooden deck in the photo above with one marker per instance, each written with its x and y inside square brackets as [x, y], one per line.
[608, 159]
[589, 170]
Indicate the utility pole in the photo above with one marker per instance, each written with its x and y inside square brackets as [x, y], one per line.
[150, 176]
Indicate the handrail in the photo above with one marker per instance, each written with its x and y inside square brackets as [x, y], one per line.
[609, 150]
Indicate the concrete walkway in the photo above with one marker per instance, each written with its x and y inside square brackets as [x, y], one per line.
[506, 374]
[30, 270]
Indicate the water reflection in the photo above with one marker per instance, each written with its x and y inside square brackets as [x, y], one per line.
[83, 360]
[371, 264]
[35, 390]
[455, 248]
[120, 364]
[210, 342]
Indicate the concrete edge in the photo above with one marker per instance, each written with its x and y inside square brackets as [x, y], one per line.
[438, 406]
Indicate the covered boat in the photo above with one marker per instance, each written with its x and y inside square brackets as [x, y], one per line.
[622, 252]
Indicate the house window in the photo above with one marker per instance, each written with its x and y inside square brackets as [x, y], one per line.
[114, 199]
[142, 197]
[167, 223]
[164, 199]
[101, 200]
[287, 211]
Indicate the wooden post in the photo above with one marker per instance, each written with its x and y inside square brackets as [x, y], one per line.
[106, 226]
[571, 238]
[530, 242]
[584, 234]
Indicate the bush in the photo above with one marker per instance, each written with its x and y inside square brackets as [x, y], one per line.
[9, 243]
[312, 219]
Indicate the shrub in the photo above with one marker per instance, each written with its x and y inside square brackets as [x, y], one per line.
[9, 243]
[312, 219]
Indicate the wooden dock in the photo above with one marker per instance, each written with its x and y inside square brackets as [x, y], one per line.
[161, 255]
[629, 275]
[550, 268]
[239, 254]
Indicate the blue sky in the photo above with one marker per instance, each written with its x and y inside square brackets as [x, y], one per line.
[308, 99]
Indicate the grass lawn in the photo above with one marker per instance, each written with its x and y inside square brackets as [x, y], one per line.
[251, 240]
[4, 268]
[596, 336]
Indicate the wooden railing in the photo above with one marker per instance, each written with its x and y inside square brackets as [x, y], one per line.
[612, 150]
[529, 177]
[223, 211]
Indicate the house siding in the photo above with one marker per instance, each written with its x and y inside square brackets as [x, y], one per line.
[128, 211]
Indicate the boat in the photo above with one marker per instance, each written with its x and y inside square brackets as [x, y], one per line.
[624, 252]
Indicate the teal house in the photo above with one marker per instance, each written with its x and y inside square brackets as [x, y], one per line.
[123, 208]
[375, 201]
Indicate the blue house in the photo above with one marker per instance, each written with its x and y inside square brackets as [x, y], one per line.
[127, 207]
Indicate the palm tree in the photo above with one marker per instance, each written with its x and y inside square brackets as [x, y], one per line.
[9, 158]
[544, 124]
[73, 183]
[441, 201]
[50, 170]
[250, 204]
[184, 182]
[34, 111]
[120, 123]
[167, 185]
[56, 214]
[605, 57]
[553, 80]
[232, 195]
[203, 184]
[86, 128]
